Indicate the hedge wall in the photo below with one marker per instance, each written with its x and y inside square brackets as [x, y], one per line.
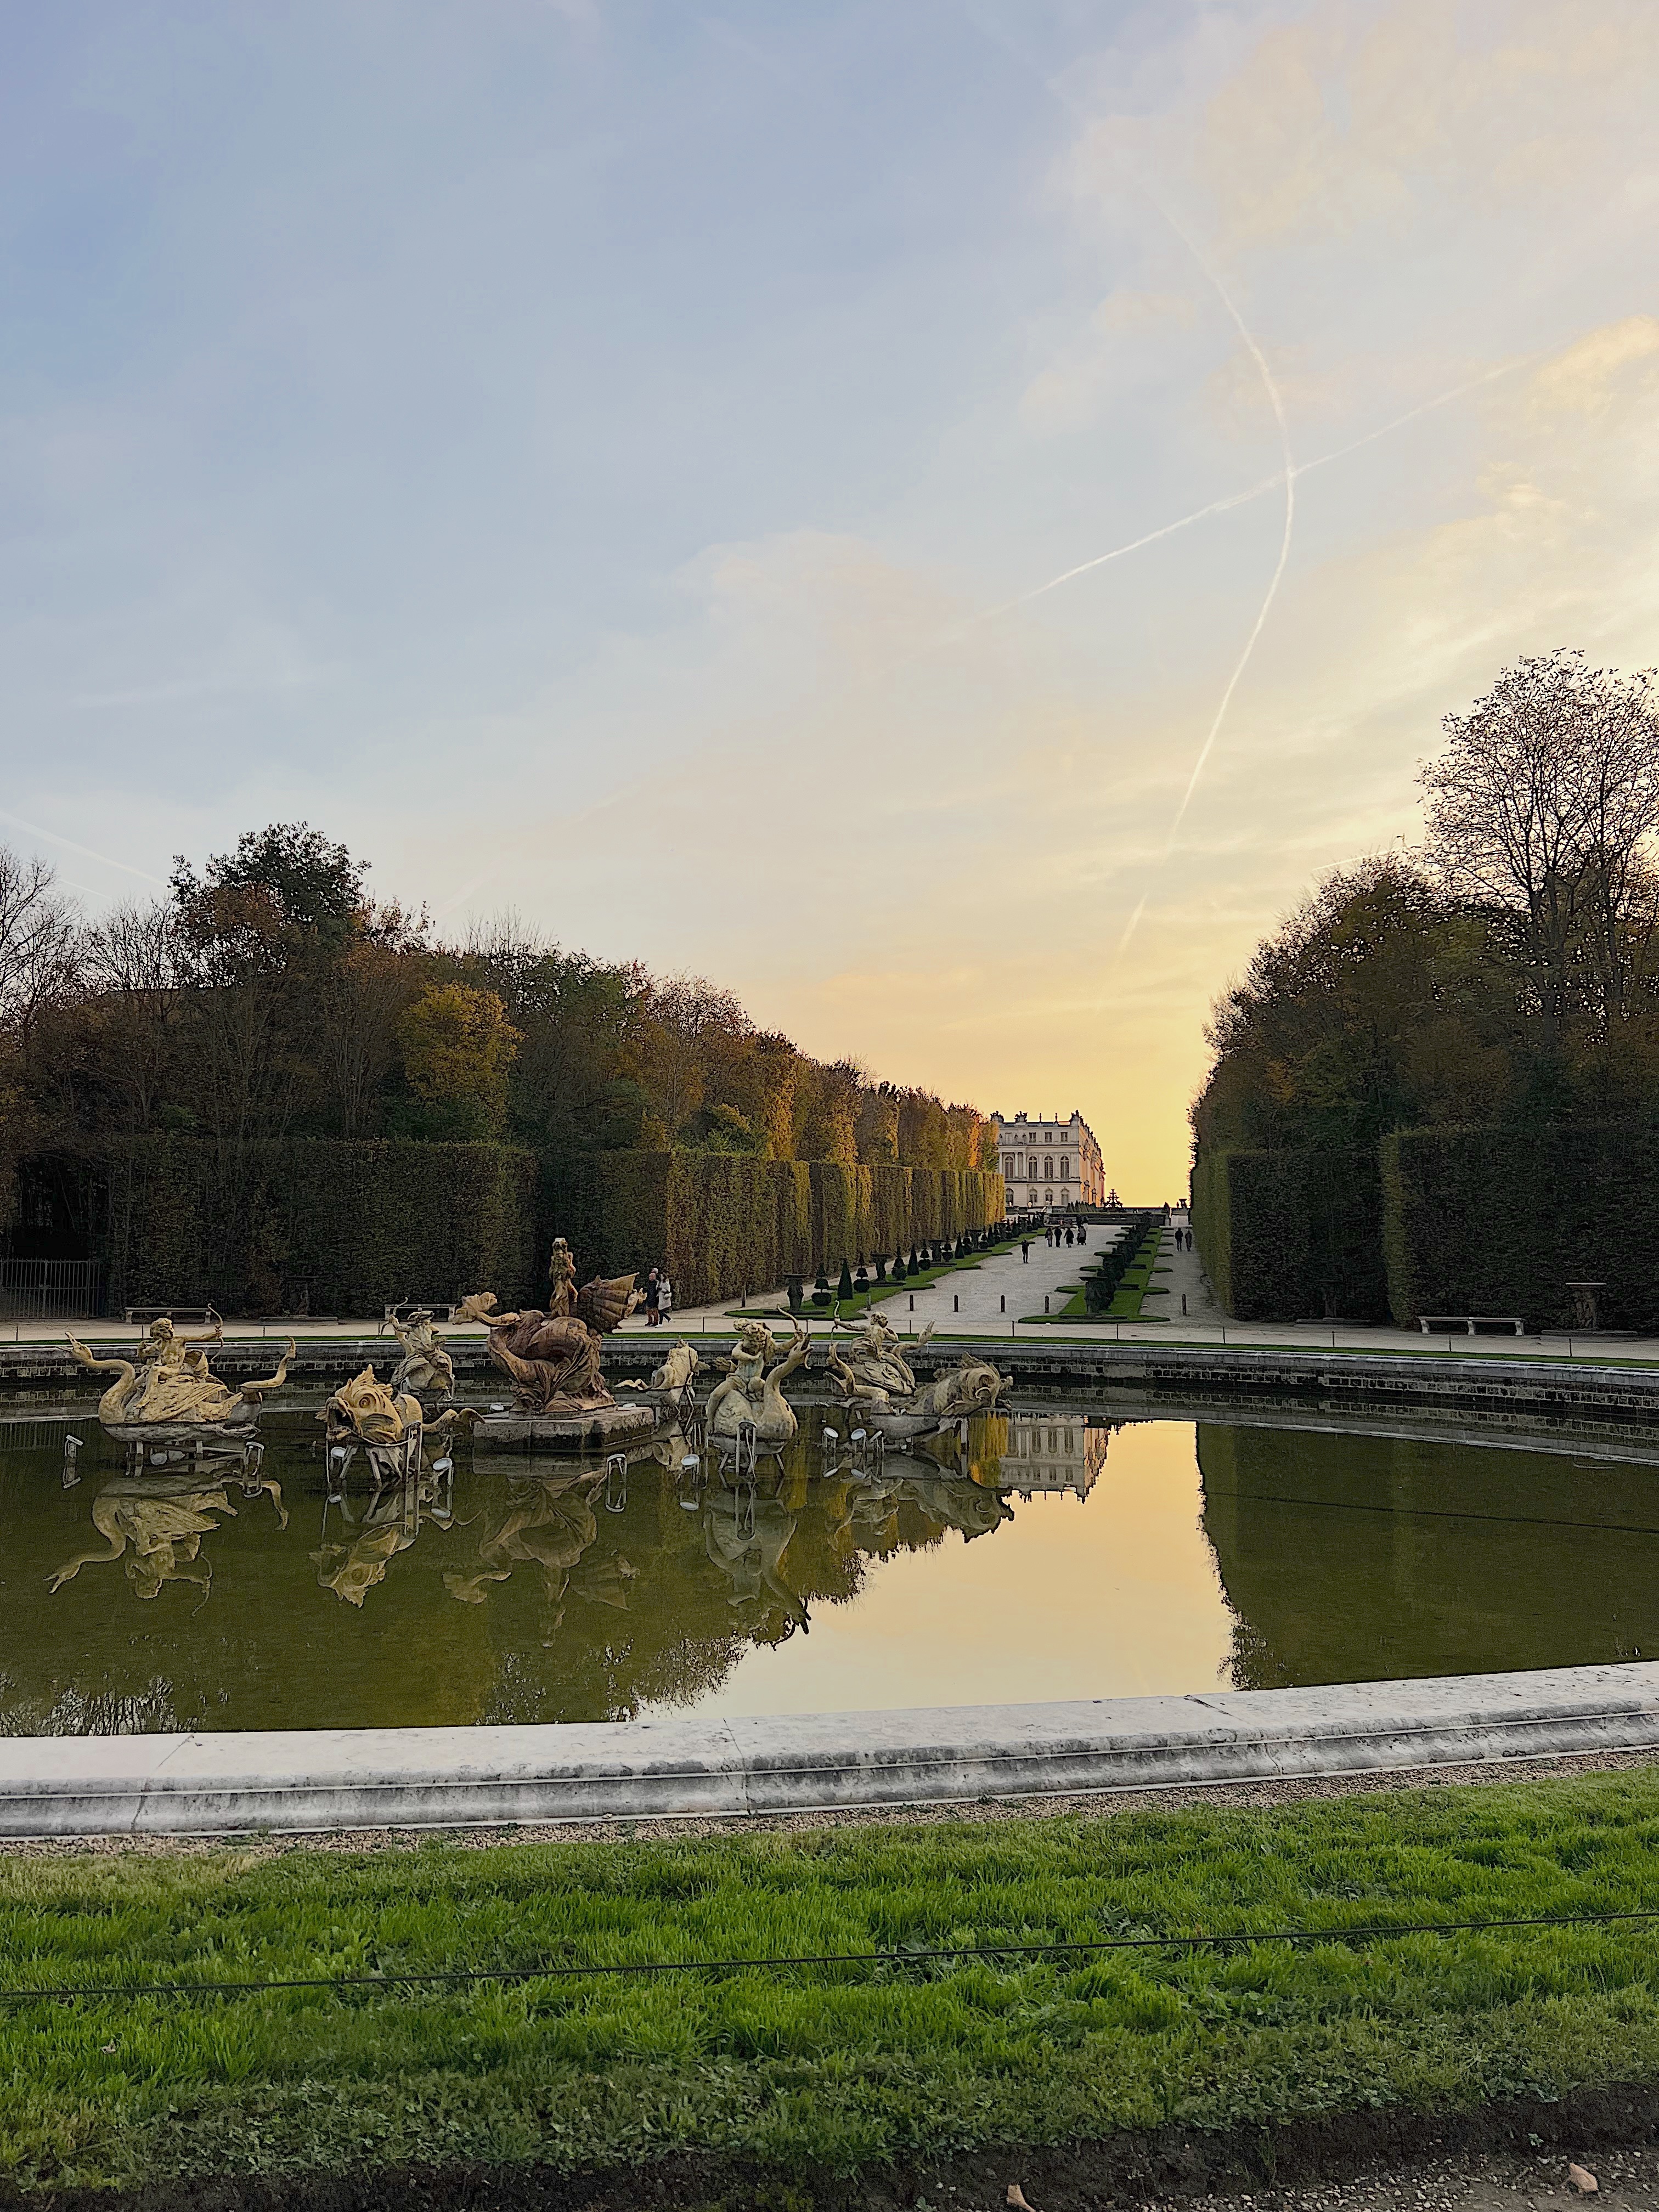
[727, 1223]
[1497, 1221]
[324, 1227]
[307, 1226]
[1290, 1235]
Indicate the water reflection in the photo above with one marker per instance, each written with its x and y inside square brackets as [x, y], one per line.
[398, 1507]
[1159, 1557]
[155, 1523]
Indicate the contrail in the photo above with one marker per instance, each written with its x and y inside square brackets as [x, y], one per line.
[69, 846]
[1274, 582]
[1197, 515]
[1255, 491]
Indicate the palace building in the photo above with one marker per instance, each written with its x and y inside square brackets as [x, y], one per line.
[1049, 1164]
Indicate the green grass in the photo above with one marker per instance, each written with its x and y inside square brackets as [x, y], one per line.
[862, 1300]
[824, 2069]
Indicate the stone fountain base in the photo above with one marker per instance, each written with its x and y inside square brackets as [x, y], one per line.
[591, 1429]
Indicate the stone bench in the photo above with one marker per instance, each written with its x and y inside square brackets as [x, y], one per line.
[1471, 1323]
[137, 1315]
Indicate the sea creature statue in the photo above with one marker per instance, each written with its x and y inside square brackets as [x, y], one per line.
[878, 1382]
[671, 1383]
[157, 1521]
[874, 1363]
[553, 1358]
[167, 1395]
[390, 1423]
[368, 1411]
[752, 1391]
[972, 1386]
[425, 1364]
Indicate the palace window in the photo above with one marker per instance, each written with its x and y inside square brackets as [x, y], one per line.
[1065, 1168]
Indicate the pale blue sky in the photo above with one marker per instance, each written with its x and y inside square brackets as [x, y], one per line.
[570, 452]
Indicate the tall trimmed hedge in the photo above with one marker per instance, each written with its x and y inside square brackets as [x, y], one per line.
[1291, 1234]
[317, 1226]
[333, 1227]
[1498, 1220]
[726, 1222]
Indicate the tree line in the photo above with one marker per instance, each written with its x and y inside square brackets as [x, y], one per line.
[1506, 970]
[269, 996]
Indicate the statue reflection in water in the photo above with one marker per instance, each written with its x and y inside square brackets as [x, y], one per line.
[547, 1523]
[155, 1523]
[747, 1523]
[397, 1511]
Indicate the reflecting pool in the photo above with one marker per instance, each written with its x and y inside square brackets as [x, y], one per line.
[1048, 1554]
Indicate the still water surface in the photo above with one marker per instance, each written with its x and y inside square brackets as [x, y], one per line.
[1057, 1556]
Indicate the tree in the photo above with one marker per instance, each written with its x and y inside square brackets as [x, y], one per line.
[1544, 801]
[308, 884]
[458, 1047]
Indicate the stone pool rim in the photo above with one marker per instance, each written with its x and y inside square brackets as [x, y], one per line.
[343, 1780]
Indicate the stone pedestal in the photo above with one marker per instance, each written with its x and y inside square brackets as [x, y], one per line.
[602, 1429]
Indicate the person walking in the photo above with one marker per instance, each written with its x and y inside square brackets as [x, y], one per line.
[652, 1298]
[665, 1298]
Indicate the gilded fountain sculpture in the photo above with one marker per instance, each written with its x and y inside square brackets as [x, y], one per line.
[166, 1394]
[552, 1359]
[874, 1376]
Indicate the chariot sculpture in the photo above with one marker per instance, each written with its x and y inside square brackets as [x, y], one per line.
[167, 1395]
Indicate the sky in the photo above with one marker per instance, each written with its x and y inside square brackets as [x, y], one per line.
[945, 518]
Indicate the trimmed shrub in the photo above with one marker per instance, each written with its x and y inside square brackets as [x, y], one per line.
[1292, 1234]
[1499, 1220]
[308, 1226]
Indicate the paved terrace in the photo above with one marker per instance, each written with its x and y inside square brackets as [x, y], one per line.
[1000, 1296]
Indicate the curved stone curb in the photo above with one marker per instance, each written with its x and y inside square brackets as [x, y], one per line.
[295, 1781]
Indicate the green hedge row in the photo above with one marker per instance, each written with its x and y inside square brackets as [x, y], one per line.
[1499, 1220]
[1483, 1220]
[317, 1227]
[326, 1227]
[1291, 1234]
[725, 1222]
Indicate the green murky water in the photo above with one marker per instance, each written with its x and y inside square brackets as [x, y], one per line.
[1054, 1556]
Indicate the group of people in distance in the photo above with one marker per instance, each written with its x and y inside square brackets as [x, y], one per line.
[1057, 1235]
[658, 1297]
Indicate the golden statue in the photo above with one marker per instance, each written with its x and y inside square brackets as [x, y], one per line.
[553, 1358]
[425, 1364]
[168, 1394]
[876, 1380]
[752, 1390]
[387, 1421]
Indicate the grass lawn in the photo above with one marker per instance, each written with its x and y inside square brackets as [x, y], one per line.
[861, 1301]
[816, 2070]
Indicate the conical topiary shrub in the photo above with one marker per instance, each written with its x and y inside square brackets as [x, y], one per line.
[844, 1288]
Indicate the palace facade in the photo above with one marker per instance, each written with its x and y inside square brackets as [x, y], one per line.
[1049, 1163]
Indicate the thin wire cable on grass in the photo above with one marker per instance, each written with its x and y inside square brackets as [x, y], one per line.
[463, 1976]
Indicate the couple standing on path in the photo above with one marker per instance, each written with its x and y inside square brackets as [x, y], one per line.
[658, 1297]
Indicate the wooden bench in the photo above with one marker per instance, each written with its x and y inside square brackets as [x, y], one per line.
[1471, 1323]
[137, 1315]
